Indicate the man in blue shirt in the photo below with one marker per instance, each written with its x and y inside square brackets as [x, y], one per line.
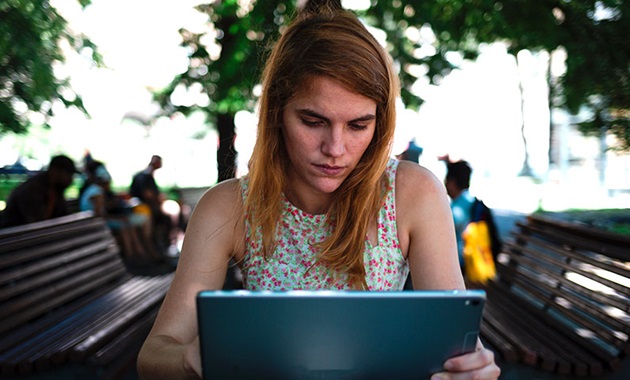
[457, 182]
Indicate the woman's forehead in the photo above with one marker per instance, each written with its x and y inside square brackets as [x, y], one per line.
[324, 86]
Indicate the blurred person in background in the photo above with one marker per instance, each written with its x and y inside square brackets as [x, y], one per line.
[146, 190]
[41, 197]
[132, 230]
[457, 182]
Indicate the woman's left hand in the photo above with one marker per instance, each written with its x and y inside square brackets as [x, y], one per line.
[475, 365]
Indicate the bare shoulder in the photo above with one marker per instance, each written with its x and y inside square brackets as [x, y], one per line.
[218, 216]
[420, 198]
[224, 198]
[425, 228]
[415, 183]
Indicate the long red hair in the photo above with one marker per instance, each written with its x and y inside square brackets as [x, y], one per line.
[330, 42]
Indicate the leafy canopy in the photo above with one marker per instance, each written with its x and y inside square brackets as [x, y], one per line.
[225, 59]
[31, 36]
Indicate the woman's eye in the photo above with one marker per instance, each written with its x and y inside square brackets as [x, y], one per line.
[358, 127]
[312, 123]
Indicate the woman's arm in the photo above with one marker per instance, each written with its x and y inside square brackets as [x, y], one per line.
[425, 229]
[214, 234]
[427, 235]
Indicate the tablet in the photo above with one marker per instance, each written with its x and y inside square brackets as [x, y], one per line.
[334, 334]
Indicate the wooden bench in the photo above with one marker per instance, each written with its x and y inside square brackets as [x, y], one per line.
[68, 303]
[561, 300]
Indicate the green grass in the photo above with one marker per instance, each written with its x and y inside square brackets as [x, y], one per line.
[611, 220]
[8, 184]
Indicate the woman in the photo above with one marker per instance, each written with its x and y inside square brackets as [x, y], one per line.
[323, 206]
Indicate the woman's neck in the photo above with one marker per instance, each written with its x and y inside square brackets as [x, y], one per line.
[314, 204]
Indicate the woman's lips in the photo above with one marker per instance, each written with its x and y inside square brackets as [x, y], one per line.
[330, 170]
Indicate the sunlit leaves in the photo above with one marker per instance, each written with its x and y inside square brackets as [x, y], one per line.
[422, 36]
[31, 33]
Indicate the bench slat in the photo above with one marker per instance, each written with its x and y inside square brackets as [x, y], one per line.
[80, 351]
[550, 341]
[66, 296]
[559, 286]
[570, 253]
[561, 299]
[610, 244]
[118, 347]
[73, 253]
[31, 244]
[51, 276]
[45, 225]
[54, 351]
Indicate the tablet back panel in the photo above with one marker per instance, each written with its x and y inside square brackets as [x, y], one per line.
[334, 334]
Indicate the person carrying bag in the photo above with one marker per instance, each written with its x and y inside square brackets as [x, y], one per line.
[481, 245]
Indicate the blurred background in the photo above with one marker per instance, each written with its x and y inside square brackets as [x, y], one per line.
[534, 96]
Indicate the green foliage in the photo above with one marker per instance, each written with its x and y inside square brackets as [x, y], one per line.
[229, 79]
[31, 33]
[593, 33]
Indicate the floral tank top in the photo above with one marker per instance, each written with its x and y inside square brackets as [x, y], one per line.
[293, 265]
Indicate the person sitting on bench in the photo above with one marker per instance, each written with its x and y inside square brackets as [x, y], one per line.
[42, 196]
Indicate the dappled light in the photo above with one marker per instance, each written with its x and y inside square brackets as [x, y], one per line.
[476, 112]
[533, 96]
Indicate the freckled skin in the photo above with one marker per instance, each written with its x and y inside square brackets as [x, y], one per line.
[326, 130]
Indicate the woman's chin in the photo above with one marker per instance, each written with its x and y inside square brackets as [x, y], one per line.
[328, 186]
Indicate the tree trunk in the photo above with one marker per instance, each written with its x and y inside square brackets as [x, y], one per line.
[526, 170]
[552, 152]
[226, 154]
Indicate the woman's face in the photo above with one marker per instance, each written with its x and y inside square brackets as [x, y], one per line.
[326, 130]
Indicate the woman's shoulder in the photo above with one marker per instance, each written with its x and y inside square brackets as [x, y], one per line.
[219, 207]
[225, 194]
[415, 183]
[410, 173]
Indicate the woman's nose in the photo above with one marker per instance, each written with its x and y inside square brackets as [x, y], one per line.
[334, 144]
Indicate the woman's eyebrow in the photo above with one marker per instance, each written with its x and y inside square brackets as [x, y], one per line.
[311, 113]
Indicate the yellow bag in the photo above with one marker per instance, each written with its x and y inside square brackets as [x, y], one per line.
[478, 262]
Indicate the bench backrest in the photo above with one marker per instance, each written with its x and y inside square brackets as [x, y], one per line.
[578, 276]
[47, 264]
